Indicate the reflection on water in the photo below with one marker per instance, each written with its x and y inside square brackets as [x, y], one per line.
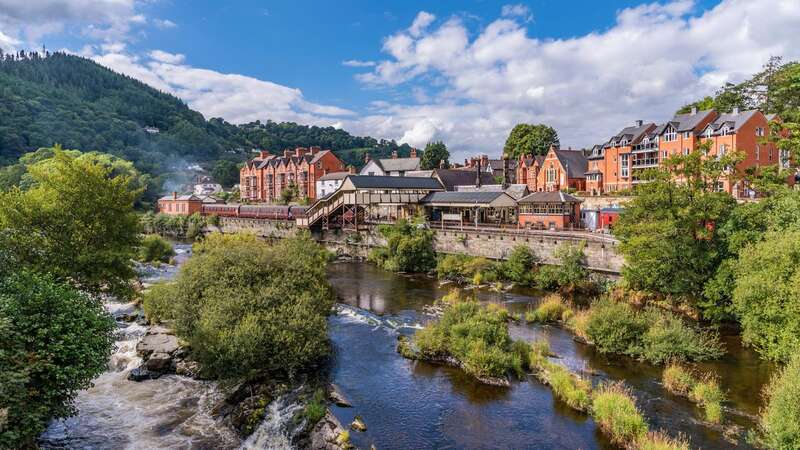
[414, 405]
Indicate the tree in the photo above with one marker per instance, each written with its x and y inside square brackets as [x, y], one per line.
[225, 172]
[247, 307]
[53, 341]
[767, 294]
[669, 231]
[434, 154]
[75, 222]
[529, 139]
[409, 248]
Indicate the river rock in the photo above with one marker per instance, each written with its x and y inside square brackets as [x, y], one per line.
[189, 369]
[326, 434]
[159, 362]
[141, 374]
[157, 340]
[358, 424]
[337, 397]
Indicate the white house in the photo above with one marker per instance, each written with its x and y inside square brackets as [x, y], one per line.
[394, 166]
[330, 182]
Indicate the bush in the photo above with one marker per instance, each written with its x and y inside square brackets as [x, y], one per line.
[316, 407]
[568, 387]
[519, 265]
[158, 302]
[570, 275]
[660, 441]
[652, 335]
[475, 336]
[614, 410]
[709, 396]
[409, 248]
[462, 268]
[780, 418]
[678, 379]
[246, 307]
[551, 309]
[155, 248]
[53, 341]
[578, 323]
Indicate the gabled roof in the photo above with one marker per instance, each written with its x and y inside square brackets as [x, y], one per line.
[485, 199]
[184, 197]
[516, 191]
[451, 178]
[389, 182]
[420, 173]
[733, 121]
[398, 164]
[550, 197]
[689, 121]
[334, 176]
[632, 134]
[574, 161]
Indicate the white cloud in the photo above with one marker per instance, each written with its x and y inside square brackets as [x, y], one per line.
[420, 23]
[358, 63]
[164, 24]
[165, 57]
[236, 98]
[518, 10]
[7, 43]
[655, 58]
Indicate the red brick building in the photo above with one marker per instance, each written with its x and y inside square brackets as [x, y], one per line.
[557, 170]
[550, 210]
[263, 178]
[179, 205]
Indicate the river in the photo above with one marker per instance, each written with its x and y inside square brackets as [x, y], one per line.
[405, 404]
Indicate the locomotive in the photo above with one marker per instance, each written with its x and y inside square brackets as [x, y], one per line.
[275, 212]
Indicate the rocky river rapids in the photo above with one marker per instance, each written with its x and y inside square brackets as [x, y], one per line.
[404, 404]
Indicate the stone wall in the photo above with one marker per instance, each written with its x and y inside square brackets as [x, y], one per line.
[599, 202]
[601, 251]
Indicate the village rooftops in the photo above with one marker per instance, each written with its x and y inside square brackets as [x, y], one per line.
[733, 121]
[398, 164]
[630, 135]
[182, 197]
[688, 121]
[550, 197]
[335, 176]
[481, 199]
[451, 178]
[574, 161]
[353, 182]
[516, 191]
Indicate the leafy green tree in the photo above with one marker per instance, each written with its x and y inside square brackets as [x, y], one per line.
[767, 294]
[225, 172]
[247, 307]
[668, 232]
[780, 419]
[570, 274]
[529, 139]
[434, 154]
[289, 194]
[409, 248]
[53, 341]
[75, 222]
[519, 265]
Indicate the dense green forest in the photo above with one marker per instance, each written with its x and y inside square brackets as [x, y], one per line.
[73, 101]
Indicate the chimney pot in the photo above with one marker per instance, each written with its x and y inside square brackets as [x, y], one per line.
[352, 170]
[736, 110]
[286, 153]
[263, 154]
[639, 122]
[413, 152]
[694, 110]
[174, 195]
[394, 154]
[441, 164]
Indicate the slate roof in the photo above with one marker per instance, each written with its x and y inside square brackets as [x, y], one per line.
[688, 121]
[470, 198]
[451, 178]
[735, 121]
[274, 160]
[633, 133]
[398, 164]
[389, 182]
[516, 191]
[334, 176]
[181, 197]
[574, 161]
[550, 197]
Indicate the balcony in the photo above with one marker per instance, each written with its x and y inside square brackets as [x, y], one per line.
[645, 163]
[647, 148]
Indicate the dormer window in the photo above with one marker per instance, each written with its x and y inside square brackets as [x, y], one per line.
[726, 131]
[670, 135]
[687, 134]
[709, 132]
[760, 131]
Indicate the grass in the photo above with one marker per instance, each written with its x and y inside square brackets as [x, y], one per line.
[551, 309]
[704, 390]
[615, 411]
[660, 441]
[568, 387]
[780, 419]
[316, 407]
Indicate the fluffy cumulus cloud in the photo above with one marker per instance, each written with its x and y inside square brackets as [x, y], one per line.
[237, 98]
[655, 58]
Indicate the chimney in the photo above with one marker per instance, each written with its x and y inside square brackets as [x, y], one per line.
[441, 164]
[174, 195]
[478, 173]
[735, 110]
[286, 153]
[300, 151]
[394, 154]
[505, 171]
[694, 110]
[366, 157]
[485, 160]
[639, 122]
[466, 162]
[263, 154]
[352, 170]
[315, 149]
[413, 153]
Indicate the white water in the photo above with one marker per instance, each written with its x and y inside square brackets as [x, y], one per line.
[273, 433]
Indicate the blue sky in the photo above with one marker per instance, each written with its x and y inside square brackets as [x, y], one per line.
[465, 72]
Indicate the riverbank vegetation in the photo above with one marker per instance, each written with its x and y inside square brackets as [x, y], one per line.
[701, 389]
[246, 307]
[188, 227]
[409, 247]
[154, 248]
[69, 235]
[780, 418]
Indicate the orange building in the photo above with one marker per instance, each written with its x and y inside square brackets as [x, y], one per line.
[617, 162]
[558, 169]
[263, 178]
[180, 205]
[549, 210]
[528, 168]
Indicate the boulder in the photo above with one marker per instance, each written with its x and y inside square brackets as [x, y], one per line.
[326, 434]
[186, 368]
[358, 424]
[141, 374]
[157, 340]
[159, 362]
[337, 397]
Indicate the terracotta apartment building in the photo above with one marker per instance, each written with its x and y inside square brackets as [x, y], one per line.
[614, 165]
[263, 178]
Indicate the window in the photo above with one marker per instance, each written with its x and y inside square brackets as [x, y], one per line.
[726, 131]
[760, 131]
[709, 132]
[722, 149]
[664, 154]
[550, 174]
[686, 151]
[784, 158]
[624, 162]
[670, 135]
[758, 152]
[687, 134]
[770, 153]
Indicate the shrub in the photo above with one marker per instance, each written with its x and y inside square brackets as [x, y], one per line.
[158, 302]
[53, 341]
[578, 323]
[614, 410]
[155, 248]
[709, 396]
[678, 380]
[550, 309]
[474, 335]
[523, 351]
[246, 307]
[570, 275]
[660, 441]
[780, 418]
[615, 327]
[519, 265]
[568, 387]
[316, 407]
[462, 268]
[409, 248]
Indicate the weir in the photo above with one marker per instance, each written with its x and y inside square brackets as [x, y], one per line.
[600, 250]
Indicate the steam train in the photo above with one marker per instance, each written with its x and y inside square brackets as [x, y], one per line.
[275, 212]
